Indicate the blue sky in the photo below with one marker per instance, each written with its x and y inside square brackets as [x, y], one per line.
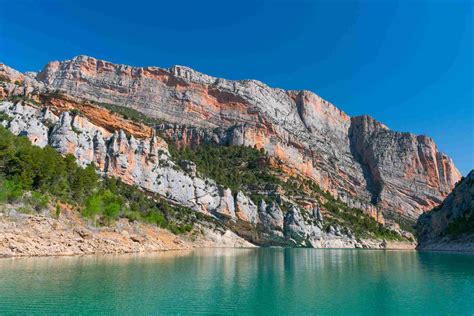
[407, 63]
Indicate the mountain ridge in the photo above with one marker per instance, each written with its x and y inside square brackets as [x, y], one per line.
[173, 69]
[351, 157]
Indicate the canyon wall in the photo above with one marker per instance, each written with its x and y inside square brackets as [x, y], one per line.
[357, 159]
[450, 226]
[146, 162]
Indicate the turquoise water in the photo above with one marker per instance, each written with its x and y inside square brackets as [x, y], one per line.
[242, 281]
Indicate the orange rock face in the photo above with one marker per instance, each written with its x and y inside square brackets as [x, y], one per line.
[357, 159]
[99, 116]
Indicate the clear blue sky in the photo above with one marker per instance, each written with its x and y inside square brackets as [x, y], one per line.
[407, 63]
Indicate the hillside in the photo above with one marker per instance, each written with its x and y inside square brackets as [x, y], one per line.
[276, 167]
[450, 226]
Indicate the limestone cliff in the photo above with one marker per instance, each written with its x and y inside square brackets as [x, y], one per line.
[146, 162]
[407, 173]
[357, 159]
[450, 226]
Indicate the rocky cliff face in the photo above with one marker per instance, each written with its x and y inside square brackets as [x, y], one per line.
[406, 173]
[450, 226]
[146, 162]
[357, 159]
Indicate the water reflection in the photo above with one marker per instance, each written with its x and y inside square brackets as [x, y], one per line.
[281, 281]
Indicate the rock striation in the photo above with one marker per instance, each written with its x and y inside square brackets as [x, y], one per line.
[406, 172]
[450, 226]
[357, 159]
[146, 162]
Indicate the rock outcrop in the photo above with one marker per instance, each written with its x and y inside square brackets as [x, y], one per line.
[357, 159]
[406, 171]
[69, 234]
[147, 163]
[450, 226]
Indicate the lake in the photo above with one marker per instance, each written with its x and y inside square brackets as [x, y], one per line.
[242, 281]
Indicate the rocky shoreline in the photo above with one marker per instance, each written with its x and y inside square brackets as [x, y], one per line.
[35, 235]
[461, 244]
[450, 226]
[356, 159]
[26, 235]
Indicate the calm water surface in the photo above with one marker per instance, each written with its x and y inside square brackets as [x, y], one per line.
[242, 281]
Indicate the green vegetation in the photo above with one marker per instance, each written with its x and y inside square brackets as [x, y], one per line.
[360, 223]
[249, 170]
[131, 114]
[4, 79]
[23, 98]
[234, 167]
[45, 173]
[5, 117]
[462, 225]
[38, 176]
[465, 224]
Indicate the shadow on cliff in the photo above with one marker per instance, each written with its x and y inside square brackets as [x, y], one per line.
[361, 153]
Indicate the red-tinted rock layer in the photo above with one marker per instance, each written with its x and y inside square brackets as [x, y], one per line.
[357, 159]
